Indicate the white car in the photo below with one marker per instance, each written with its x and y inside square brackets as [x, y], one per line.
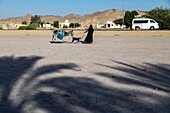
[144, 23]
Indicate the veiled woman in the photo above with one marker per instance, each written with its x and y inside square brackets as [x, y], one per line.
[89, 37]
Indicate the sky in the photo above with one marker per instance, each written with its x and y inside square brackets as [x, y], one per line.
[15, 8]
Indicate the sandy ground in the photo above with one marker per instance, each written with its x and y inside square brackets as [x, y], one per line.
[121, 72]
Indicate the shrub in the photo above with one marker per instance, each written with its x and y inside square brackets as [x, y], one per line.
[30, 27]
[56, 24]
[22, 28]
[74, 25]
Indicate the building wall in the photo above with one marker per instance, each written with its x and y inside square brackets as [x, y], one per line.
[109, 25]
[47, 26]
[66, 23]
[14, 26]
[3, 26]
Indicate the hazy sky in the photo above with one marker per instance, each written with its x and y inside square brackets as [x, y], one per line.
[13, 8]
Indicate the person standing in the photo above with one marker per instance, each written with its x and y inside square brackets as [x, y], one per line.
[89, 37]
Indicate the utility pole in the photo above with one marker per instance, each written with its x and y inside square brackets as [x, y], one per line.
[123, 10]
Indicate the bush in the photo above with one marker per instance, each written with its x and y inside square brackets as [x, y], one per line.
[30, 27]
[74, 25]
[56, 24]
[22, 28]
[119, 21]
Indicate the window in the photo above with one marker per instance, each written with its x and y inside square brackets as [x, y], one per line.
[152, 21]
[140, 21]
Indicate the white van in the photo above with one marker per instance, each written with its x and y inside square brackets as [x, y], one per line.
[144, 23]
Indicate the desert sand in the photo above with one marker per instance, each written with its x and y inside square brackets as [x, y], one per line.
[121, 72]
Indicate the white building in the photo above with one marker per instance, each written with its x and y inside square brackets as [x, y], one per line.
[47, 26]
[99, 26]
[109, 25]
[3, 26]
[64, 24]
[14, 26]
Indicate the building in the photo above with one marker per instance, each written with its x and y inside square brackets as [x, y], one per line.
[109, 25]
[14, 26]
[64, 24]
[3, 26]
[46, 26]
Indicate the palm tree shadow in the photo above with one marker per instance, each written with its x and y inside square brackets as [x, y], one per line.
[155, 75]
[77, 94]
[44, 90]
[14, 88]
[81, 94]
[11, 68]
[152, 77]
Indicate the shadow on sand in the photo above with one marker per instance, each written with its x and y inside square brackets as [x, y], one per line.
[25, 88]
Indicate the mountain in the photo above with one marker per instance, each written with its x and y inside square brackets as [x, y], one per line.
[99, 17]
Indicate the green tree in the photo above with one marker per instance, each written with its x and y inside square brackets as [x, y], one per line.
[65, 26]
[71, 25]
[56, 24]
[36, 20]
[119, 21]
[161, 15]
[42, 24]
[134, 13]
[77, 25]
[129, 17]
[74, 25]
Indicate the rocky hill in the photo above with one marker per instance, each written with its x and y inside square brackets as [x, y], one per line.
[95, 18]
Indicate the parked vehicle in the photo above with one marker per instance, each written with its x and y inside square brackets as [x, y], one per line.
[144, 23]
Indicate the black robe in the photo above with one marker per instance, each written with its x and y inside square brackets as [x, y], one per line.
[89, 37]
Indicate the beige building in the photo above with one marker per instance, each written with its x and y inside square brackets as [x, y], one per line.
[3, 26]
[14, 26]
[64, 24]
[109, 25]
[47, 26]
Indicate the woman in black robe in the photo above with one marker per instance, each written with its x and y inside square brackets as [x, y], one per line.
[89, 37]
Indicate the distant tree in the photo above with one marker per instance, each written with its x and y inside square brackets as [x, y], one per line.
[35, 20]
[77, 25]
[129, 17]
[119, 21]
[71, 25]
[24, 22]
[161, 15]
[65, 26]
[74, 25]
[56, 24]
[42, 24]
[134, 13]
[1, 28]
